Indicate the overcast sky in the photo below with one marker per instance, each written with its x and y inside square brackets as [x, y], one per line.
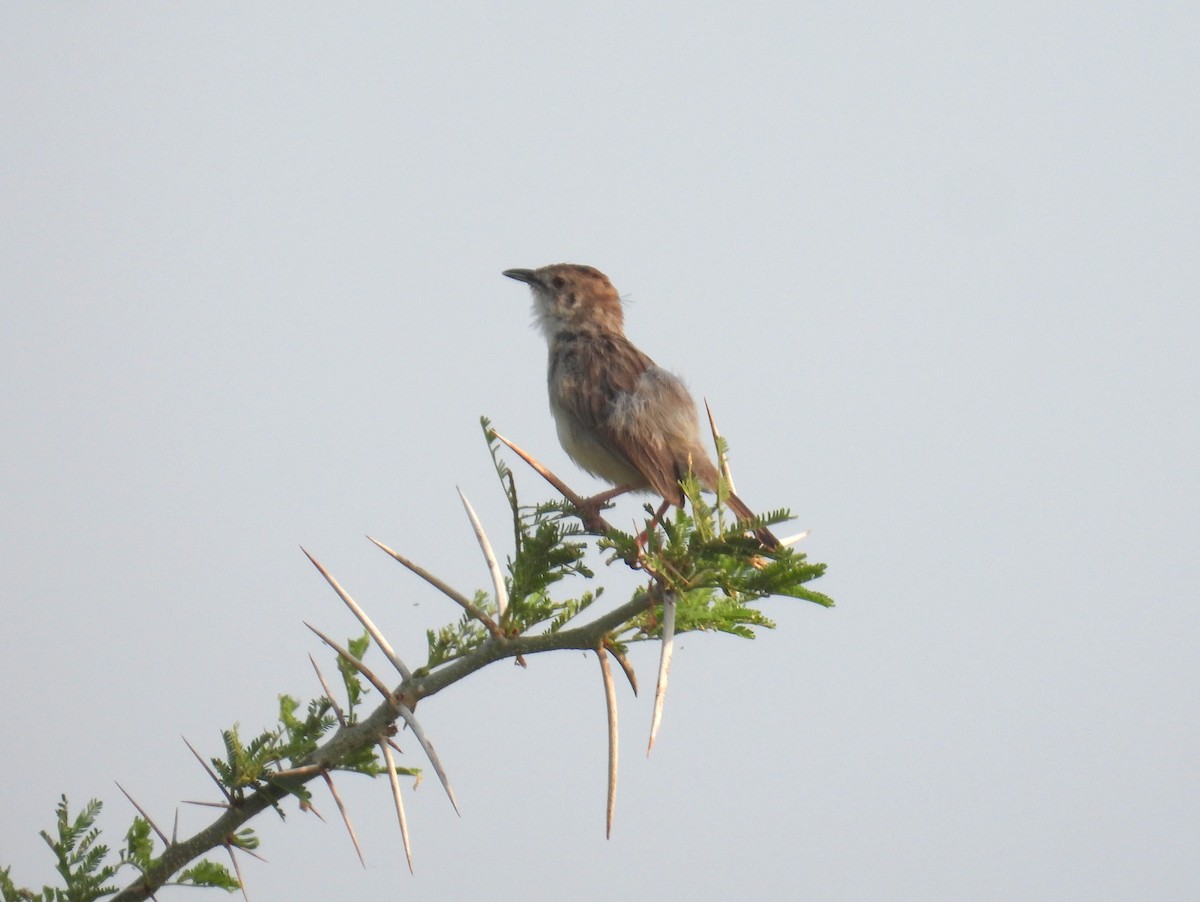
[935, 267]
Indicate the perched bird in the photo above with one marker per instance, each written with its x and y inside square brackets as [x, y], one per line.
[619, 415]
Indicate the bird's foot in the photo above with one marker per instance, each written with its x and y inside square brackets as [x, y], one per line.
[589, 508]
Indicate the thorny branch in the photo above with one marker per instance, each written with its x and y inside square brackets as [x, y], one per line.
[370, 731]
[694, 558]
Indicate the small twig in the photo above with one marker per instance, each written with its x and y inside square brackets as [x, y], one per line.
[145, 816]
[489, 556]
[208, 770]
[337, 709]
[355, 663]
[664, 665]
[358, 612]
[394, 779]
[457, 597]
[610, 702]
[345, 816]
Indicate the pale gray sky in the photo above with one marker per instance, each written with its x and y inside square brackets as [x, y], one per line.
[935, 267]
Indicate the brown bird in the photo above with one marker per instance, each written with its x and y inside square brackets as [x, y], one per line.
[619, 415]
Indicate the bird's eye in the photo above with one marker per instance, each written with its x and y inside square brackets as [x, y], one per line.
[559, 281]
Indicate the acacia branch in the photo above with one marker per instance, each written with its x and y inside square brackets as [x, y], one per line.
[695, 560]
[369, 731]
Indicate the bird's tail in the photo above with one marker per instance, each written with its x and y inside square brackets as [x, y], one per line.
[764, 535]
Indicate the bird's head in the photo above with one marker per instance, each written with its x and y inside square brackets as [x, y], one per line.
[568, 297]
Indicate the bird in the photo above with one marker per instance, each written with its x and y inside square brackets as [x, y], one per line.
[618, 414]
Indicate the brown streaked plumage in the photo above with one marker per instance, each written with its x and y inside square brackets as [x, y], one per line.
[619, 415]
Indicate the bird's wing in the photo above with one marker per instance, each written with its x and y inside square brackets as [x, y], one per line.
[655, 426]
[603, 386]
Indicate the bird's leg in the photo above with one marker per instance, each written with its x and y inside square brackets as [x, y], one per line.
[654, 521]
[590, 507]
[612, 493]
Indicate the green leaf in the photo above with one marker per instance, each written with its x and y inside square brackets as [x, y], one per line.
[210, 874]
[139, 846]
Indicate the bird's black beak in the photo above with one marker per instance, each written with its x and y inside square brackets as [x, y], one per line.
[522, 275]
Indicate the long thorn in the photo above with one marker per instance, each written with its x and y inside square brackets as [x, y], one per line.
[593, 521]
[145, 816]
[404, 710]
[541, 469]
[664, 665]
[358, 612]
[411, 719]
[722, 459]
[355, 663]
[457, 597]
[610, 703]
[798, 537]
[306, 770]
[489, 556]
[345, 816]
[764, 535]
[237, 869]
[208, 770]
[253, 854]
[624, 662]
[394, 779]
[337, 709]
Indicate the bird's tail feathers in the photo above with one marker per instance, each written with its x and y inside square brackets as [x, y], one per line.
[764, 535]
